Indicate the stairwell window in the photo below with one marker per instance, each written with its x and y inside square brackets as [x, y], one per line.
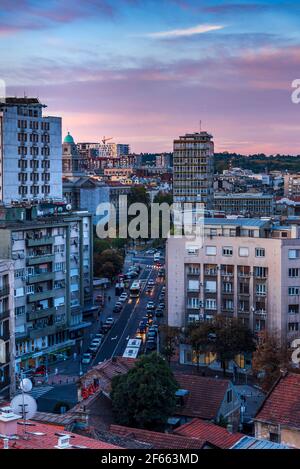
[294, 253]
[259, 252]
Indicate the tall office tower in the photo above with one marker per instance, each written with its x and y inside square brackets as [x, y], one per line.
[193, 169]
[30, 151]
[123, 149]
[73, 163]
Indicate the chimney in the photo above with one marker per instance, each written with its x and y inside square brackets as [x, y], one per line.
[8, 421]
[63, 441]
[229, 428]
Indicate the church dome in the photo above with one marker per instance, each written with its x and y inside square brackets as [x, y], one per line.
[69, 139]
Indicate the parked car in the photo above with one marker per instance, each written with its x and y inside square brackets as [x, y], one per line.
[150, 305]
[99, 336]
[151, 334]
[86, 358]
[159, 313]
[149, 289]
[142, 327]
[161, 305]
[123, 297]
[117, 308]
[40, 370]
[110, 321]
[150, 345]
[163, 290]
[151, 283]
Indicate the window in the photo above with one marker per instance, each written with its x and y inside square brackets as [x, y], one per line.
[19, 292]
[294, 291]
[59, 266]
[261, 289]
[293, 326]
[293, 309]
[293, 272]
[274, 437]
[243, 252]
[211, 286]
[294, 253]
[229, 396]
[30, 289]
[59, 301]
[259, 252]
[211, 250]
[210, 303]
[227, 251]
[19, 310]
[193, 285]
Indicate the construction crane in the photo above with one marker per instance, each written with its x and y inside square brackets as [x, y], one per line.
[104, 139]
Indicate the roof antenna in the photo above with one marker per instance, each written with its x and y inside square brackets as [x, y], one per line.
[200, 125]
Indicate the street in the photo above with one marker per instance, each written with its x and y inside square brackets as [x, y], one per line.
[127, 321]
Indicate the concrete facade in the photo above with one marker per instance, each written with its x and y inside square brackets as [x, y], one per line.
[246, 268]
[30, 151]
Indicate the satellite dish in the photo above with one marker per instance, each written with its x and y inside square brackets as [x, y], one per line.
[68, 207]
[24, 405]
[26, 385]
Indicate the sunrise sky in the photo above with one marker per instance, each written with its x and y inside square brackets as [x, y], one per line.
[145, 71]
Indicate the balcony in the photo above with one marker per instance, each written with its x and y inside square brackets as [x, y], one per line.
[261, 312]
[40, 241]
[42, 331]
[4, 314]
[39, 296]
[4, 291]
[42, 277]
[40, 259]
[42, 313]
[211, 273]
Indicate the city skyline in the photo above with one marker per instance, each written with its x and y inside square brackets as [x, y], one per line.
[144, 75]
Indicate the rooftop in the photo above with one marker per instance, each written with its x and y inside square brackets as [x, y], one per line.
[213, 434]
[205, 395]
[158, 440]
[282, 405]
[45, 436]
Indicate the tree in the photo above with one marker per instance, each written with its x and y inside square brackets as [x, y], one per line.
[199, 336]
[269, 357]
[100, 245]
[145, 396]
[170, 340]
[108, 264]
[232, 338]
[138, 194]
[227, 337]
[163, 197]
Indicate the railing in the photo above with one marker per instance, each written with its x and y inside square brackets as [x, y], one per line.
[4, 291]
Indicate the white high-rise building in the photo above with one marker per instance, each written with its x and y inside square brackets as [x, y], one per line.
[30, 152]
[193, 169]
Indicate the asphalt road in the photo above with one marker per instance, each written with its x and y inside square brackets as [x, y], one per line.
[133, 311]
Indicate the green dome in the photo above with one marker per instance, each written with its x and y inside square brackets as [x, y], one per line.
[69, 139]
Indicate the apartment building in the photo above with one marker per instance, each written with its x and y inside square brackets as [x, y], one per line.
[246, 203]
[7, 329]
[30, 151]
[52, 253]
[291, 185]
[193, 169]
[245, 268]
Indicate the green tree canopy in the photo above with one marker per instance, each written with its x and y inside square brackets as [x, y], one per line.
[145, 396]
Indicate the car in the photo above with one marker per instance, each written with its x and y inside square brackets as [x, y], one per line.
[150, 345]
[97, 340]
[142, 327]
[86, 358]
[99, 336]
[150, 305]
[149, 314]
[151, 334]
[108, 323]
[161, 305]
[154, 327]
[150, 283]
[150, 251]
[123, 297]
[117, 308]
[149, 289]
[159, 313]
[40, 370]
[163, 289]
[161, 296]
[99, 298]
[119, 303]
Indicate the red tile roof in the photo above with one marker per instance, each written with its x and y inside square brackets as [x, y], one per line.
[158, 440]
[205, 395]
[49, 440]
[282, 405]
[207, 431]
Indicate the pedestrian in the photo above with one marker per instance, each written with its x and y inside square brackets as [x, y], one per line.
[74, 356]
[56, 371]
[108, 298]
